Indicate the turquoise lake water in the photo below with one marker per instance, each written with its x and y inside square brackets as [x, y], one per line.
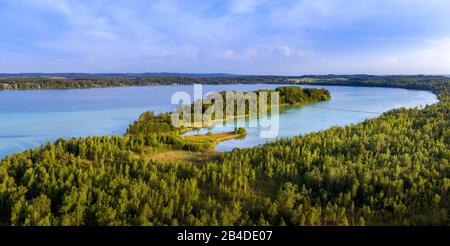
[30, 118]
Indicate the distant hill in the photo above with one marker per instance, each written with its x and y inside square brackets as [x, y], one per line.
[113, 75]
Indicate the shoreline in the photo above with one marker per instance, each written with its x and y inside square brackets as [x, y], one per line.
[223, 120]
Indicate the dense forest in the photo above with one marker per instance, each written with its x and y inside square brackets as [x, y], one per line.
[287, 95]
[391, 170]
[297, 95]
[26, 83]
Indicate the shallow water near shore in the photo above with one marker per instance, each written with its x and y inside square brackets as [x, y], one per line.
[30, 118]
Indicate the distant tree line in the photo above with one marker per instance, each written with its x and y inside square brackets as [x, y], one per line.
[62, 81]
[19, 83]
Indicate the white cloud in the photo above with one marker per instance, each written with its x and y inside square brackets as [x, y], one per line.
[244, 36]
[285, 50]
[433, 58]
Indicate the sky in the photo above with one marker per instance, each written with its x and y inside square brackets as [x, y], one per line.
[226, 36]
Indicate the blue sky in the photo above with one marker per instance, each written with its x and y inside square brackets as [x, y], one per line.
[236, 36]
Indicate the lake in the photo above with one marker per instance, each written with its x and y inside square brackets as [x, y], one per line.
[29, 118]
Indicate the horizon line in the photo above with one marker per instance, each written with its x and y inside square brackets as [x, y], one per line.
[225, 74]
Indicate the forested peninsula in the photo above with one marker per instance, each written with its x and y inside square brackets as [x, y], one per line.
[391, 170]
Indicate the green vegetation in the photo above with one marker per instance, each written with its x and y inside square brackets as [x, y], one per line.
[149, 123]
[174, 156]
[62, 81]
[241, 131]
[92, 81]
[157, 132]
[390, 170]
[297, 95]
[288, 95]
[437, 84]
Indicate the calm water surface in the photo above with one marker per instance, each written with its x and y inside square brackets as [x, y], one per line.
[30, 118]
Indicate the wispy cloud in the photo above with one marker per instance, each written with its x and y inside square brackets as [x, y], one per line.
[238, 36]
